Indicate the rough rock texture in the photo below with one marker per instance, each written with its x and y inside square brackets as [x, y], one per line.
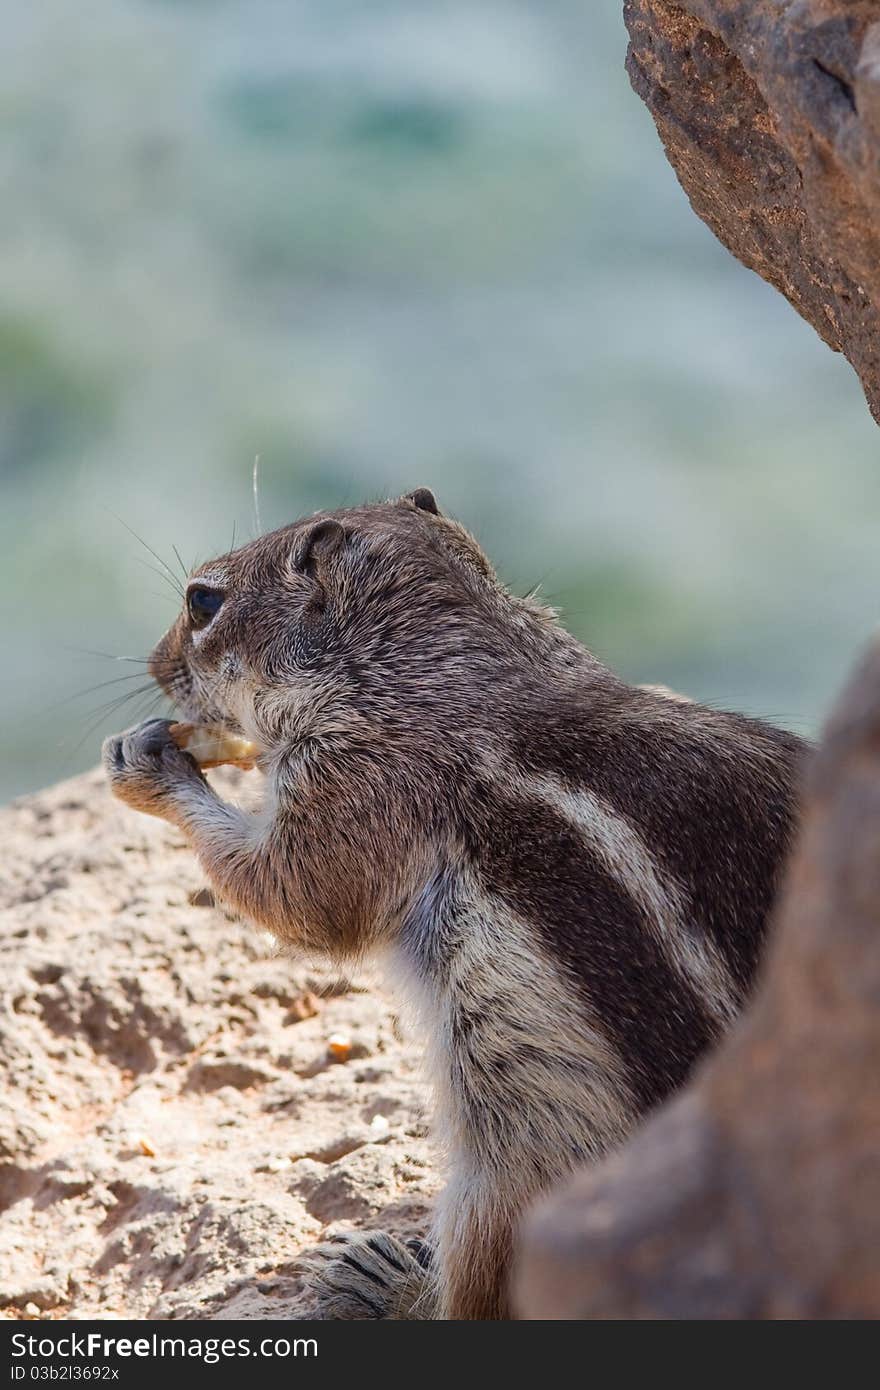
[770, 115]
[756, 1194]
[173, 1128]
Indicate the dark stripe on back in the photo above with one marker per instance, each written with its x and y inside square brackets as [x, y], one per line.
[533, 859]
[713, 795]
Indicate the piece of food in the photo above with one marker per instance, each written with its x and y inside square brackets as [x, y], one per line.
[339, 1046]
[213, 746]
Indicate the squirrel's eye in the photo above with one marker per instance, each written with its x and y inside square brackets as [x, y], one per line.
[202, 604]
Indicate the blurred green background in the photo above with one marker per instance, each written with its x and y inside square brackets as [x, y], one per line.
[381, 246]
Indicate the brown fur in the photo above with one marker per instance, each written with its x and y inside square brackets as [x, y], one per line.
[570, 876]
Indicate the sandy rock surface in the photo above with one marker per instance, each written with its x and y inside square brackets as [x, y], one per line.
[174, 1128]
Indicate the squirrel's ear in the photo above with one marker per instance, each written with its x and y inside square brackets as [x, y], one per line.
[424, 499]
[316, 544]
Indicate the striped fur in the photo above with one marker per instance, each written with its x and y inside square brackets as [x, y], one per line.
[568, 877]
[526, 1085]
[652, 887]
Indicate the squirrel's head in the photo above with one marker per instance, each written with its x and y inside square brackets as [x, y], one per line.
[366, 618]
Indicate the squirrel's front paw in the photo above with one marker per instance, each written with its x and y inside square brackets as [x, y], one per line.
[146, 769]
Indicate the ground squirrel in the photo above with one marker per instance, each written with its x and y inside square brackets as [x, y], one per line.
[569, 875]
